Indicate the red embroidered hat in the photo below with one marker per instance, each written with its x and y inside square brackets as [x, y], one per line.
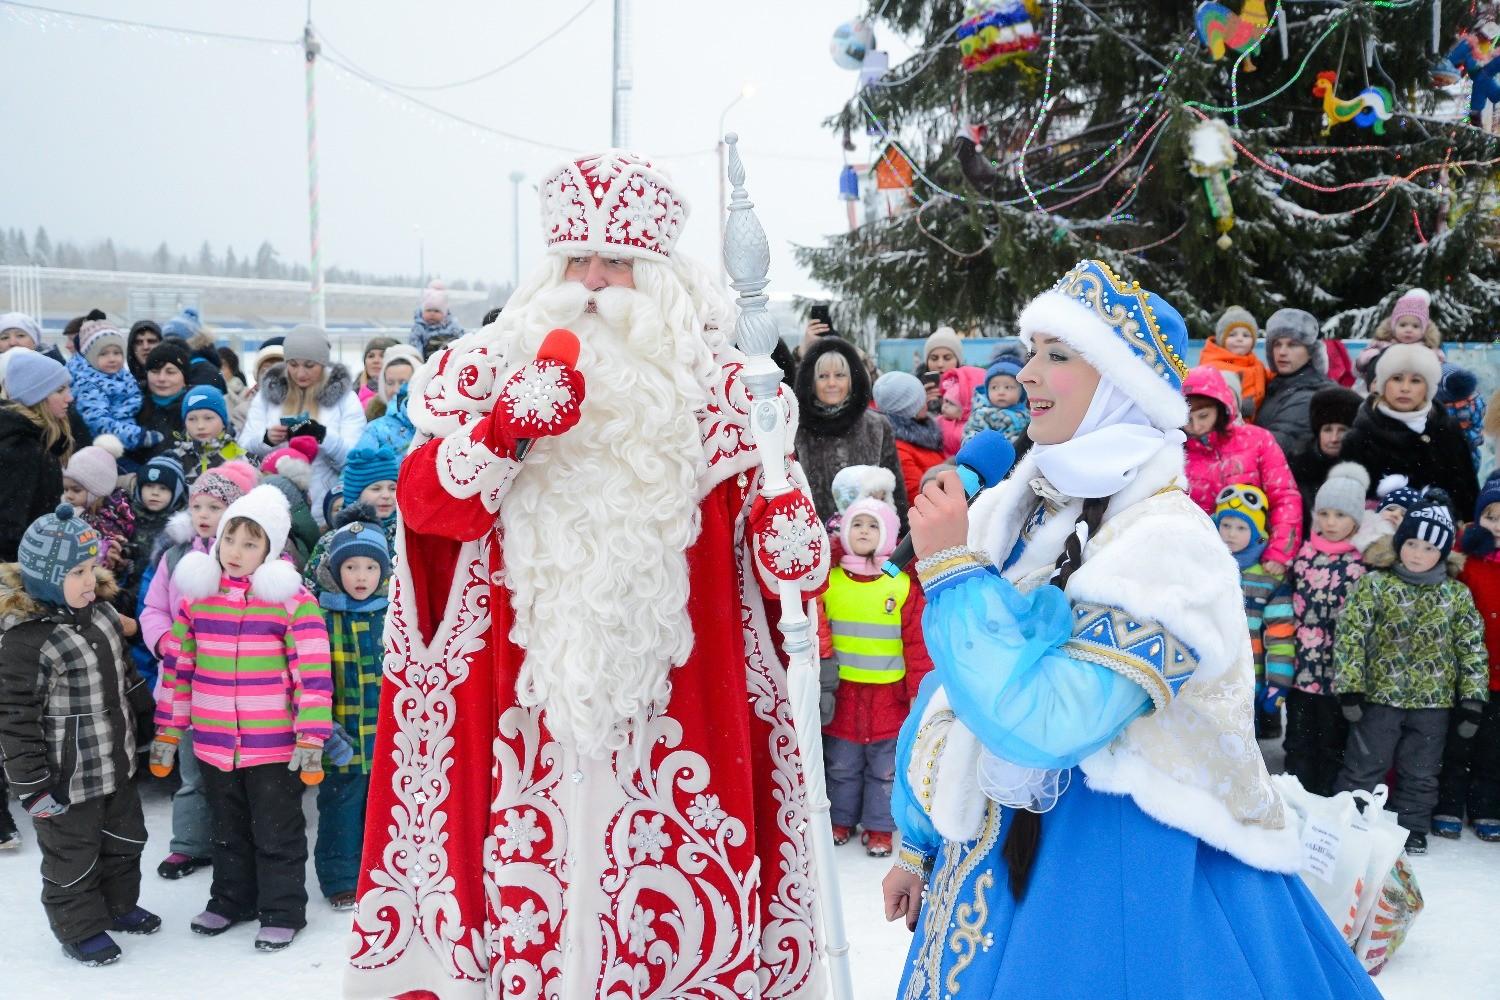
[613, 202]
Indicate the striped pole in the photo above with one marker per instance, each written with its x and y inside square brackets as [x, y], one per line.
[310, 49]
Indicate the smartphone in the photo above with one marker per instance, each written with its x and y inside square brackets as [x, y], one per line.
[820, 314]
[295, 421]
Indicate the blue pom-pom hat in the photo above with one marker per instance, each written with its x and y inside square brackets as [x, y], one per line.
[1133, 337]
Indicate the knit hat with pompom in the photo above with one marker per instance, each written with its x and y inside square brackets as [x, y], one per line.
[94, 468]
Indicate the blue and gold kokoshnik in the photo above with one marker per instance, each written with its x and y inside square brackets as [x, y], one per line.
[1132, 312]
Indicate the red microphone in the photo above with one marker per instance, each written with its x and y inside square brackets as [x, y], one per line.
[560, 346]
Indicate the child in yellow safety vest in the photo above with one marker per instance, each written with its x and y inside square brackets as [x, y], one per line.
[870, 638]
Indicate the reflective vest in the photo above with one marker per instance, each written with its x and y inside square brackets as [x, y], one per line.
[865, 619]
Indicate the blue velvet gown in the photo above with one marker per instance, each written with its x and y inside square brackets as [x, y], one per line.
[1119, 905]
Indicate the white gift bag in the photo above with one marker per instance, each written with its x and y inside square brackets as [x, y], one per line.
[1336, 848]
[1387, 839]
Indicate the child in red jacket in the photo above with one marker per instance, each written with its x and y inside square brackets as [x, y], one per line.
[1470, 779]
[870, 638]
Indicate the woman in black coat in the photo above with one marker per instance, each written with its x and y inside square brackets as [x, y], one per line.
[167, 368]
[34, 447]
[1391, 437]
[836, 427]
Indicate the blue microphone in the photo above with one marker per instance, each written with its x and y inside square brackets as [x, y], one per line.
[982, 463]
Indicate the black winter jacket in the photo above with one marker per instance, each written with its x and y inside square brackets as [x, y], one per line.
[155, 417]
[69, 695]
[856, 435]
[31, 478]
[1437, 457]
[1284, 410]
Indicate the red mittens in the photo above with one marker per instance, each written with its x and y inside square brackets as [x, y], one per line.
[788, 543]
[541, 400]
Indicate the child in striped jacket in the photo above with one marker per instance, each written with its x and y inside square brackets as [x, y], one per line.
[359, 564]
[1241, 517]
[246, 665]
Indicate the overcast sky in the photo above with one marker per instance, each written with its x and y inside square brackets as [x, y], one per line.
[146, 137]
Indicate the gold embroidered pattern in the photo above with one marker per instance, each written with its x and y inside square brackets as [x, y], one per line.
[1127, 309]
[957, 862]
[926, 751]
[969, 936]
[1141, 650]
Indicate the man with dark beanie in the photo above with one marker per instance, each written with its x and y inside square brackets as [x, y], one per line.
[1330, 414]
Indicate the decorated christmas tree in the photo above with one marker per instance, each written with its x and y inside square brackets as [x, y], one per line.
[1317, 155]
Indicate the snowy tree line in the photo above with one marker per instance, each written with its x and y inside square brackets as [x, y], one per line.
[266, 262]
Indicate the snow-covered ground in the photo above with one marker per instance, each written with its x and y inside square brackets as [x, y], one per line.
[1450, 953]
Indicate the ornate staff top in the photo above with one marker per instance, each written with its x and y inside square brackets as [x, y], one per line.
[747, 258]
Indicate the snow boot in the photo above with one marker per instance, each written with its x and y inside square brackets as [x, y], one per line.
[841, 835]
[1487, 830]
[274, 938]
[176, 866]
[342, 901]
[877, 844]
[211, 924]
[9, 839]
[136, 921]
[97, 950]
[1416, 843]
[1447, 827]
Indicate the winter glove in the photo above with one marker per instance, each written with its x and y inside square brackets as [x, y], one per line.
[43, 806]
[1469, 714]
[163, 755]
[788, 543]
[150, 439]
[1353, 706]
[311, 429]
[1477, 541]
[339, 749]
[542, 399]
[307, 758]
[1271, 698]
[828, 681]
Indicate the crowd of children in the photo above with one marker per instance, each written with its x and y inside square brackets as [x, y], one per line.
[212, 601]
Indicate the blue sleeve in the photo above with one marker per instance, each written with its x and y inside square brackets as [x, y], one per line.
[1021, 672]
[917, 831]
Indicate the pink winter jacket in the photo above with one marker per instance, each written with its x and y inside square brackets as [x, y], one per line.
[961, 380]
[1242, 454]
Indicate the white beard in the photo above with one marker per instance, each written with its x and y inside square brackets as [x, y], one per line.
[598, 522]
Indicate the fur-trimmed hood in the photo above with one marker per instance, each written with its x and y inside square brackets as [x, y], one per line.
[839, 423]
[17, 606]
[275, 385]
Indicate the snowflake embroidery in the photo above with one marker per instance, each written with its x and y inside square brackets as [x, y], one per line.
[647, 841]
[638, 215]
[640, 931]
[705, 813]
[523, 926]
[518, 833]
[537, 393]
[564, 210]
[792, 543]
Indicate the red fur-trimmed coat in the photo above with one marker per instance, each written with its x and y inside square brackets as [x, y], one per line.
[499, 863]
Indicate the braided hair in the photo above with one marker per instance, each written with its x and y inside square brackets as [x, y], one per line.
[1025, 835]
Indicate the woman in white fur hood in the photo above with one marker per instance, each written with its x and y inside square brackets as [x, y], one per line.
[1092, 663]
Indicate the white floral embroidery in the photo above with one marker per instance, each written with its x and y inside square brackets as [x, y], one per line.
[640, 931]
[705, 813]
[637, 217]
[538, 392]
[518, 833]
[792, 543]
[523, 926]
[647, 840]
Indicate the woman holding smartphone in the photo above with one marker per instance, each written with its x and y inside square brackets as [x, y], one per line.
[306, 396]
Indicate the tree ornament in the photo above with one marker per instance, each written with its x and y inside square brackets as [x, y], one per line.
[1210, 157]
[851, 40]
[849, 193]
[1221, 28]
[992, 34]
[894, 174]
[1474, 54]
[1369, 109]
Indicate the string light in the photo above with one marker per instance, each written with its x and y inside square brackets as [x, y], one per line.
[1234, 72]
[1236, 107]
[1161, 242]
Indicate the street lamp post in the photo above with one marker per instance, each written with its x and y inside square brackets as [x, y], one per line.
[516, 177]
[748, 90]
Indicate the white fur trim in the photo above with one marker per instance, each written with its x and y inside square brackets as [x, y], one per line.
[1059, 315]
[957, 811]
[1183, 807]
[276, 581]
[180, 527]
[197, 575]
[111, 444]
[298, 471]
[1390, 484]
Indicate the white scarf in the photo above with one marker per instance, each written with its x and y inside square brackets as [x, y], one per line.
[1416, 419]
[1114, 440]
